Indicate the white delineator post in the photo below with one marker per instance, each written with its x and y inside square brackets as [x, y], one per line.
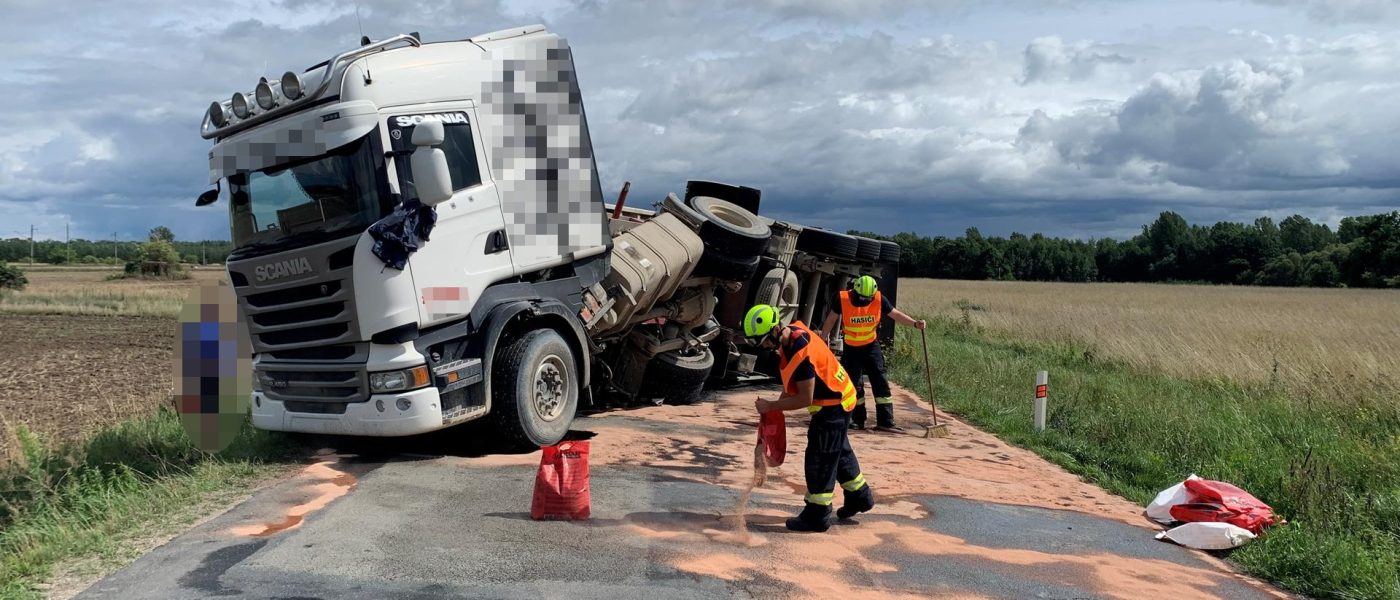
[1042, 384]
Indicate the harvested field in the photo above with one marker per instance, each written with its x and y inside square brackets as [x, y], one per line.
[88, 291]
[64, 376]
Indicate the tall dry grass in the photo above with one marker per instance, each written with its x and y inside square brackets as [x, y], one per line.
[1316, 338]
[88, 291]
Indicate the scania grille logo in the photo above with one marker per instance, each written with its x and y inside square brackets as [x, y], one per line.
[280, 269]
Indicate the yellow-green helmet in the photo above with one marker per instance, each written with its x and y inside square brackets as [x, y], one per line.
[864, 286]
[759, 321]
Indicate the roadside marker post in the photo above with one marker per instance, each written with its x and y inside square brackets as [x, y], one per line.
[1042, 387]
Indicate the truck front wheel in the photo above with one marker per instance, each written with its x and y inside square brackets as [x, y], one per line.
[534, 388]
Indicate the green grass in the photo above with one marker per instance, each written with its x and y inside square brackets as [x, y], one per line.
[1328, 462]
[92, 504]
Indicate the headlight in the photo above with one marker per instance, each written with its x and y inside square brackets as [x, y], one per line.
[217, 115]
[291, 85]
[240, 105]
[264, 95]
[398, 381]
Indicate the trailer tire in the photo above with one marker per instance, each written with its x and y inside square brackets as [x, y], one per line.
[889, 252]
[827, 243]
[535, 388]
[716, 264]
[868, 250]
[677, 377]
[729, 228]
[779, 288]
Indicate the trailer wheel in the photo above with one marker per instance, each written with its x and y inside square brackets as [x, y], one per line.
[779, 288]
[714, 263]
[730, 229]
[678, 377]
[535, 388]
[889, 252]
[827, 243]
[868, 249]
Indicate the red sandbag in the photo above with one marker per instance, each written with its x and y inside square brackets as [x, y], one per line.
[772, 431]
[1223, 502]
[561, 485]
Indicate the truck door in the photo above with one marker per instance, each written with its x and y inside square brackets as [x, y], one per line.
[467, 249]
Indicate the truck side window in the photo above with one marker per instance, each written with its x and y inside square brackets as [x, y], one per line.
[461, 156]
[457, 144]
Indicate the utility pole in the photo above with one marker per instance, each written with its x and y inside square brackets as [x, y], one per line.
[31, 245]
[114, 246]
[68, 243]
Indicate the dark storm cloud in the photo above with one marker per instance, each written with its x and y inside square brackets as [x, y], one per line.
[877, 115]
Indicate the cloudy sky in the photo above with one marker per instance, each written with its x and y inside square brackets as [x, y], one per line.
[1069, 117]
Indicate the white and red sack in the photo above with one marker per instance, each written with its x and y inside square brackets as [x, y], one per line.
[1204, 501]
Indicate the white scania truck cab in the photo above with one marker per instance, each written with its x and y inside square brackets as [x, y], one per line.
[421, 240]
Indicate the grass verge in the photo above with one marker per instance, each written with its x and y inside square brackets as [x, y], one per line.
[1329, 464]
[92, 503]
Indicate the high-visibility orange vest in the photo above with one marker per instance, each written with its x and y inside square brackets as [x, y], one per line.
[858, 323]
[829, 371]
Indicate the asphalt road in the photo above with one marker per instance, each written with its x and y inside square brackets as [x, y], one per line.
[960, 517]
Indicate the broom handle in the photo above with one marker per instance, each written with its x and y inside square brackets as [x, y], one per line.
[928, 374]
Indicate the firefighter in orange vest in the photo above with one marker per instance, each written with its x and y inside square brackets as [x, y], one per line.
[814, 380]
[860, 310]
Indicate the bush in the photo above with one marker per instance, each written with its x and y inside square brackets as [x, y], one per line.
[11, 278]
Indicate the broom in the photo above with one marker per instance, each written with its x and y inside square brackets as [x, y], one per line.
[936, 430]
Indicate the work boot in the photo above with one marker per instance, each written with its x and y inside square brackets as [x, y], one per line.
[889, 428]
[856, 502]
[814, 518]
[857, 426]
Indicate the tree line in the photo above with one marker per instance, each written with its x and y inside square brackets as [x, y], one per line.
[100, 252]
[1364, 251]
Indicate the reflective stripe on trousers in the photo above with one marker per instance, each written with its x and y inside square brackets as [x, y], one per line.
[854, 485]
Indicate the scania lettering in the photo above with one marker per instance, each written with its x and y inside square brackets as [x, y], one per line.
[430, 246]
[282, 269]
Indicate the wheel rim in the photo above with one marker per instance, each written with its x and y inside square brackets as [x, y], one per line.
[551, 388]
[723, 213]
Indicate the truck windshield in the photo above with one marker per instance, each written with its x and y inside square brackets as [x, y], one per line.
[313, 199]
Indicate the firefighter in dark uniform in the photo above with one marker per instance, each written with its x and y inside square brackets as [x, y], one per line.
[814, 380]
[859, 311]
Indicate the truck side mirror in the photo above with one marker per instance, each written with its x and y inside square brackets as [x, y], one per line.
[207, 198]
[429, 164]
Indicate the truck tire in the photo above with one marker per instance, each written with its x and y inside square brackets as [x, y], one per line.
[535, 388]
[868, 249]
[714, 263]
[827, 243]
[889, 252]
[779, 288]
[746, 197]
[678, 377]
[730, 228]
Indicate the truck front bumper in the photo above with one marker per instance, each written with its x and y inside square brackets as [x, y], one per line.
[382, 415]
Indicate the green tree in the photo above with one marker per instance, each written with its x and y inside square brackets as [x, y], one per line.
[1301, 235]
[163, 233]
[11, 278]
[1373, 250]
[156, 257]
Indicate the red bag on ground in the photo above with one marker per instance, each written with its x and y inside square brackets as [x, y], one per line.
[561, 485]
[1223, 502]
[772, 431]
